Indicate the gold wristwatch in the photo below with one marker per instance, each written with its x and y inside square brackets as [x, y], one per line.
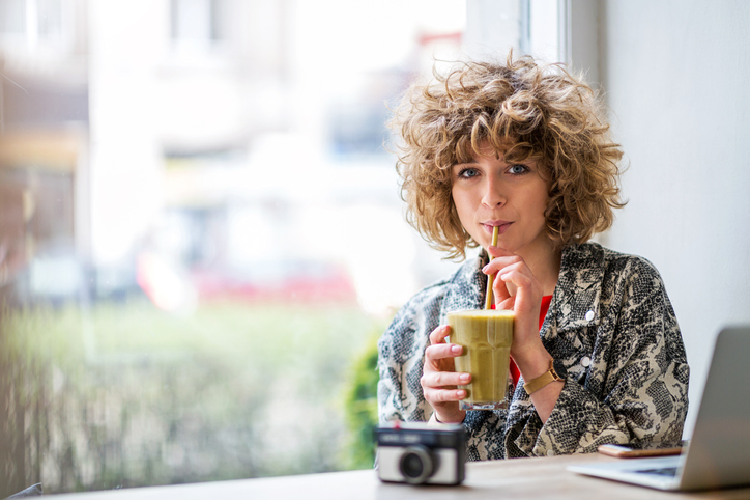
[556, 373]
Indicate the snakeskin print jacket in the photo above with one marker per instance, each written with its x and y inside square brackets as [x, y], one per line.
[610, 322]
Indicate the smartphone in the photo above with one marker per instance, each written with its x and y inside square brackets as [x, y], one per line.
[639, 450]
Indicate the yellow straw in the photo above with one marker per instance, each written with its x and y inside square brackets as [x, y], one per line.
[491, 277]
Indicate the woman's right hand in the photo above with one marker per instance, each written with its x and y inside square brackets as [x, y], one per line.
[439, 378]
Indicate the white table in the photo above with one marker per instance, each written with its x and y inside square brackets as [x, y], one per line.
[533, 478]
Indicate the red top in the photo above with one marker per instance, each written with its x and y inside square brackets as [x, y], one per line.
[514, 371]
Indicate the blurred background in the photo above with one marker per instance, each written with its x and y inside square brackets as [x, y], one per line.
[201, 234]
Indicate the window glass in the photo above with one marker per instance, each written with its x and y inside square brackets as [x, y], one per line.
[12, 16]
[545, 38]
[195, 20]
[201, 234]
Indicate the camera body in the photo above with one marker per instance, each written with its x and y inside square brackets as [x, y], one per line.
[418, 453]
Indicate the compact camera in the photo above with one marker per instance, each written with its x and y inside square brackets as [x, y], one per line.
[417, 452]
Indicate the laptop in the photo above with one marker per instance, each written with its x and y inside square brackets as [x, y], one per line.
[718, 455]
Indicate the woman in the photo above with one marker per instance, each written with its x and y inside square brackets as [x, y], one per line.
[524, 147]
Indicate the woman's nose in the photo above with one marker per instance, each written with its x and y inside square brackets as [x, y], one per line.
[492, 194]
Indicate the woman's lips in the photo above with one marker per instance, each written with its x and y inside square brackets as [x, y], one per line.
[502, 226]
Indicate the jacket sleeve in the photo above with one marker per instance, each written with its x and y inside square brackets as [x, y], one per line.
[635, 388]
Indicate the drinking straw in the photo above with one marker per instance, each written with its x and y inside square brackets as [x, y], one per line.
[491, 277]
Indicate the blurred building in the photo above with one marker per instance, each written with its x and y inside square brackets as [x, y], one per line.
[43, 144]
[203, 147]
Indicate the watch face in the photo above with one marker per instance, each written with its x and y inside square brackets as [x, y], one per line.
[560, 369]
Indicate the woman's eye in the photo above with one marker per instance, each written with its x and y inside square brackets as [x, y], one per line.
[518, 169]
[468, 172]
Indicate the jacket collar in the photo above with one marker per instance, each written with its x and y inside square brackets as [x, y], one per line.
[466, 288]
[575, 302]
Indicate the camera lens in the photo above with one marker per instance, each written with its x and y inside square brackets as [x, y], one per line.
[416, 464]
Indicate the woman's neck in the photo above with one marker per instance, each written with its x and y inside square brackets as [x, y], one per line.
[543, 260]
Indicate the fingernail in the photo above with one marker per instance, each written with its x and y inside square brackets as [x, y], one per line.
[484, 269]
[460, 394]
[464, 377]
[456, 349]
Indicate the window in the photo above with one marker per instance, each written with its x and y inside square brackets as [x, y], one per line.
[201, 234]
[36, 25]
[196, 21]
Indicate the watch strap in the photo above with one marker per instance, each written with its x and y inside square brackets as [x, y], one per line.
[543, 380]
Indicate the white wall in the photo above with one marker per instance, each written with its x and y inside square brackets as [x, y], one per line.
[676, 76]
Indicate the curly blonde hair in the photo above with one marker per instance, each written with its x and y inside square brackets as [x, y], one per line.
[524, 110]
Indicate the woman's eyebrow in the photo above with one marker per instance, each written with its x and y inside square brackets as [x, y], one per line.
[466, 163]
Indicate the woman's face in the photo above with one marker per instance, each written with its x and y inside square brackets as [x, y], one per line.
[512, 196]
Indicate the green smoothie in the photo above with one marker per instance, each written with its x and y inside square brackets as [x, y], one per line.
[486, 336]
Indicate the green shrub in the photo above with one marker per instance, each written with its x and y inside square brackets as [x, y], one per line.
[124, 395]
[362, 406]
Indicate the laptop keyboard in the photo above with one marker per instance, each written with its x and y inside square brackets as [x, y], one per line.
[663, 471]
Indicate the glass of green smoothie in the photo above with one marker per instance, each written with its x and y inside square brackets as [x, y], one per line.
[486, 336]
